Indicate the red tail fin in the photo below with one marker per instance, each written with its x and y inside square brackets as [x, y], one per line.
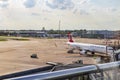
[70, 37]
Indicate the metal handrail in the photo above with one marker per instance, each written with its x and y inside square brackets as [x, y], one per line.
[68, 73]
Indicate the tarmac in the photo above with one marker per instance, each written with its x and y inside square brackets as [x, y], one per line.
[15, 55]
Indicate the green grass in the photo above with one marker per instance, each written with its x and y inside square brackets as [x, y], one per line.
[2, 38]
[20, 39]
[5, 38]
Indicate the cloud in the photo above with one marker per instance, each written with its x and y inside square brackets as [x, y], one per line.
[113, 9]
[29, 3]
[0, 19]
[106, 3]
[80, 1]
[4, 3]
[60, 4]
[82, 7]
[83, 12]
[35, 14]
[104, 10]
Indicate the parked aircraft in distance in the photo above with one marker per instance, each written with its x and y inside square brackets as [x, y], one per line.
[84, 47]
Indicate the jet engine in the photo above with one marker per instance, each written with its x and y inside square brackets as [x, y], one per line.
[83, 52]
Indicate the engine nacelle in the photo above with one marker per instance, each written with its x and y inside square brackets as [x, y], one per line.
[92, 53]
[83, 52]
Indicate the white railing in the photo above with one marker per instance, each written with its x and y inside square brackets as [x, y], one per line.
[68, 73]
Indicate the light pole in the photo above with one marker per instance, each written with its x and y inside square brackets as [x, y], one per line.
[59, 28]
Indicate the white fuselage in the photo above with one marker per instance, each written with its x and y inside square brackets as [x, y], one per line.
[91, 47]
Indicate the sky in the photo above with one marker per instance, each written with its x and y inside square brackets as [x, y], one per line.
[73, 14]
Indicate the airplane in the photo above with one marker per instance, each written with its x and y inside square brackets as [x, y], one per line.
[85, 47]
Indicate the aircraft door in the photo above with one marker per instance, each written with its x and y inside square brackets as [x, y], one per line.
[117, 57]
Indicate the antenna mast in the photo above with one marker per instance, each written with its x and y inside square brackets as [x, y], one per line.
[59, 28]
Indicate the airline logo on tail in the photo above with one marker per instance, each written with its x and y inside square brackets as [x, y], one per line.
[70, 37]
